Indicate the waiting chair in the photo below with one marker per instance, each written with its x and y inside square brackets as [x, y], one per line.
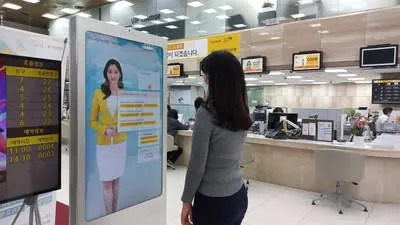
[170, 148]
[340, 167]
[247, 158]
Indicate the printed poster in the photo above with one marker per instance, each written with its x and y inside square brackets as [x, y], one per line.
[227, 42]
[124, 96]
[187, 49]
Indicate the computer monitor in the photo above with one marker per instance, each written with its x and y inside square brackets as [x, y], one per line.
[274, 119]
[260, 116]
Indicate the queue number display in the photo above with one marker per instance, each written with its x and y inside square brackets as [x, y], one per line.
[307, 61]
[30, 126]
[386, 92]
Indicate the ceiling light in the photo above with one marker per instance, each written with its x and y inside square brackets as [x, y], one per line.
[166, 11]
[178, 84]
[172, 27]
[111, 0]
[123, 4]
[274, 73]
[347, 75]
[251, 84]
[275, 38]
[144, 31]
[241, 25]
[12, 6]
[49, 16]
[165, 37]
[315, 25]
[363, 82]
[307, 80]
[69, 11]
[179, 81]
[304, 2]
[157, 21]
[282, 84]
[294, 77]
[138, 26]
[223, 17]
[264, 33]
[356, 78]
[202, 31]
[82, 14]
[250, 78]
[225, 7]
[195, 4]
[266, 81]
[323, 31]
[32, 1]
[209, 11]
[112, 23]
[335, 70]
[298, 16]
[192, 77]
[195, 22]
[141, 17]
[182, 17]
[169, 20]
[320, 82]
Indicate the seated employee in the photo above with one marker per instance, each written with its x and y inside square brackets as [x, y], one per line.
[385, 118]
[173, 126]
[277, 124]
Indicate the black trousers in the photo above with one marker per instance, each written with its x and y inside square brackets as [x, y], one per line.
[220, 210]
[174, 155]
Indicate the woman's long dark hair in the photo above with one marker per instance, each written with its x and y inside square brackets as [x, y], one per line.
[105, 87]
[227, 96]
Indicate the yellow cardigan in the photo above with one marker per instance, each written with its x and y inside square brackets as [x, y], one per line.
[100, 119]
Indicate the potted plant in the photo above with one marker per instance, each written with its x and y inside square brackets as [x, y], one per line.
[358, 130]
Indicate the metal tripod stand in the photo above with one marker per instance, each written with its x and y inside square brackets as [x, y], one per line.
[32, 202]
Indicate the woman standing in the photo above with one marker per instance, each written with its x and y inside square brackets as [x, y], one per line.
[213, 178]
[111, 145]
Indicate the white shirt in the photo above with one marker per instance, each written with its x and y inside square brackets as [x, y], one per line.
[380, 122]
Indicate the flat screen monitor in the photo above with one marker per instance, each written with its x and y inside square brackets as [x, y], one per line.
[260, 116]
[175, 70]
[275, 119]
[379, 56]
[305, 61]
[30, 128]
[386, 91]
[254, 65]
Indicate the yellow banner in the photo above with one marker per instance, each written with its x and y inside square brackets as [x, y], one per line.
[227, 42]
[31, 140]
[32, 72]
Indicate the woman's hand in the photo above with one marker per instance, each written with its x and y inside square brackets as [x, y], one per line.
[186, 215]
[111, 131]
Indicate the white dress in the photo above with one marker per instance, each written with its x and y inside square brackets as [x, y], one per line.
[111, 158]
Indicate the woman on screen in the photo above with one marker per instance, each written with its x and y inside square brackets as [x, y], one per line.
[111, 145]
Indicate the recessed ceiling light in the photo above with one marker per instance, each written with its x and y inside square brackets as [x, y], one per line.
[335, 70]
[304, 2]
[274, 73]
[264, 33]
[202, 31]
[294, 77]
[315, 25]
[112, 23]
[347, 75]
[182, 17]
[225, 7]
[266, 81]
[356, 78]
[138, 26]
[320, 82]
[178, 84]
[251, 84]
[223, 17]
[195, 4]
[12, 6]
[241, 25]
[111, 0]
[82, 14]
[250, 78]
[69, 11]
[49, 16]
[192, 77]
[209, 11]
[308, 80]
[275, 38]
[323, 31]
[141, 17]
[32, 1]
[195, 22]
[157, 21]
[363, 82]
[169, 20]
[123, 4]
[282, 84]
[298, 16]
[166, 11]
[172, 27]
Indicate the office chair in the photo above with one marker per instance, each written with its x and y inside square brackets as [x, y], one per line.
[341, 167]
[170, 148]
[247, 158]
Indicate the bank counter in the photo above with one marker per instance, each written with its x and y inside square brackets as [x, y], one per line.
[292, 163]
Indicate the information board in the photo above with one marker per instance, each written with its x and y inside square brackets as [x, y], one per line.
[252, 65]
[307, 61]
[175, 70]
[386, 92]
[30, 98]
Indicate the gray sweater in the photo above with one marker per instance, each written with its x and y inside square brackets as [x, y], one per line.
[214, 166]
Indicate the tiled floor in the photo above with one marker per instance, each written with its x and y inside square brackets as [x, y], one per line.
[270, 205]
[276, 205]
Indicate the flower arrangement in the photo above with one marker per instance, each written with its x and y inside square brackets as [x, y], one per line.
[359, 126]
